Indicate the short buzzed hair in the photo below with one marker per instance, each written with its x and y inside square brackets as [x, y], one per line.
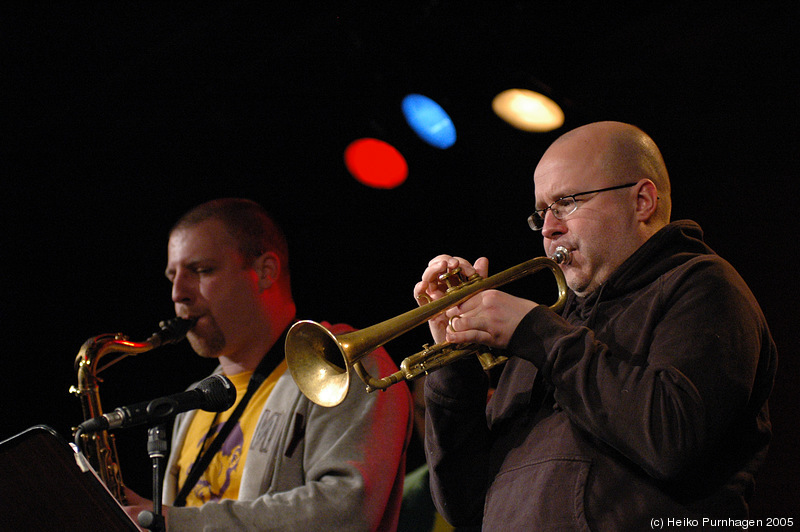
[250, 225]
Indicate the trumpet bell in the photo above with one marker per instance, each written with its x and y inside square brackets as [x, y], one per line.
[318, 366]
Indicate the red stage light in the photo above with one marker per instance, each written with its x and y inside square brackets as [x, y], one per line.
[375, 163]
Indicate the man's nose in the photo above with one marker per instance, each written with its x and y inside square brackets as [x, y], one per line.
[552, 227]
[181, 288]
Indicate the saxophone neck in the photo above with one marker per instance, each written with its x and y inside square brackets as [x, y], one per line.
[170, 332]
[100, 447]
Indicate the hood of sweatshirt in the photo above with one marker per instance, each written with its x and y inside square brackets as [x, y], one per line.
[673, 245]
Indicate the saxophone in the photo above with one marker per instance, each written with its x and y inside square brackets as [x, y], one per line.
[100, 447]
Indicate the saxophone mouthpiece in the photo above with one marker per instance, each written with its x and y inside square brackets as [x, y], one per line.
[171, 331]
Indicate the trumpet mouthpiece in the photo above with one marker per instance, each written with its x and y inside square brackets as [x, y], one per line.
[561, 256]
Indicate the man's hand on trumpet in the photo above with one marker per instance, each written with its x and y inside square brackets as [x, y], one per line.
[488, 318]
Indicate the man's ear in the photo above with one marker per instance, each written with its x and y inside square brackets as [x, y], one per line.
[646, 200]
[268, 267]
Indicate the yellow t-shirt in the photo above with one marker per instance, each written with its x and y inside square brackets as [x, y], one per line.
[223, 476]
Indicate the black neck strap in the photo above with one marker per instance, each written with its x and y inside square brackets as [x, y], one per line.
[268, 363]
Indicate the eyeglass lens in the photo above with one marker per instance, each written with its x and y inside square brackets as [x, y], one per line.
[560, 208]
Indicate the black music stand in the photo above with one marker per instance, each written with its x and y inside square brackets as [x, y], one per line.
[43, 487]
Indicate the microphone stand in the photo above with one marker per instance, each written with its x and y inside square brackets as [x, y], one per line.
[156, 449]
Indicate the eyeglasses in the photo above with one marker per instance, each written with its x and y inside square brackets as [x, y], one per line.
[564, 206]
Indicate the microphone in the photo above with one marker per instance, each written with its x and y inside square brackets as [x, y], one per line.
[213, 394]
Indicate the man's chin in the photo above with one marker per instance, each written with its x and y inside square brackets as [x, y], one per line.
[578, 285]
[204, 348]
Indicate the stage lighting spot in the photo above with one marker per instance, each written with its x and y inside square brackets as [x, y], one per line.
[528, 110]
[429, 121]
[375, 163]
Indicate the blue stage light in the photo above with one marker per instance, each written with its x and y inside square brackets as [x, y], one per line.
[429, 121]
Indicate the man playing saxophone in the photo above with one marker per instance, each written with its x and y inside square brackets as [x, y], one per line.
[286, 463]
[644, 400]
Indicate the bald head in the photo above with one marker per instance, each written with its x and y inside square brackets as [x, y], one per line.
[625, 153]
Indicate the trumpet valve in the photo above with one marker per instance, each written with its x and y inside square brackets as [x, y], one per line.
[455, 279]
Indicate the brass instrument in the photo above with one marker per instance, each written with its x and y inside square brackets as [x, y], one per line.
[319, 361]
[99, 447]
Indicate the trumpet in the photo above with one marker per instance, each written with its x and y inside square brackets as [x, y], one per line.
[100, 447]
[319, 361]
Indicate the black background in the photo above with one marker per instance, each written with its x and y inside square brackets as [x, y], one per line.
[119, 116]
